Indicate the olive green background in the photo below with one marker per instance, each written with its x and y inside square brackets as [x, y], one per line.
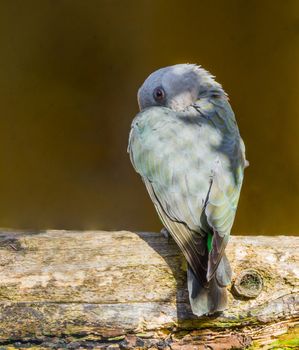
[69, 73]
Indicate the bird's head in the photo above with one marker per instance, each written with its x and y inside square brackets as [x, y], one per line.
[178, 87]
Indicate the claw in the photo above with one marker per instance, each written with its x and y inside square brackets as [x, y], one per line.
[166, 233]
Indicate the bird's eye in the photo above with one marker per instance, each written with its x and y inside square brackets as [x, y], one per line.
[159, 94]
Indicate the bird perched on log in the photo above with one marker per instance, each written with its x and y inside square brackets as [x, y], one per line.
[186, 146]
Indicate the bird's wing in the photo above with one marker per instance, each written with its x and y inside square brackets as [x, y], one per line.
[192, 244]
[161, 150]
[227, 180]
[176, 162]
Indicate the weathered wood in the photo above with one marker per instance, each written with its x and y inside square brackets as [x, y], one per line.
[124, 289]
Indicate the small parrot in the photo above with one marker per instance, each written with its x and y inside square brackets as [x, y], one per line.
[186, 146]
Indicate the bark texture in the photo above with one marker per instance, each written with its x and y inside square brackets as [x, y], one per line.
[63, 289]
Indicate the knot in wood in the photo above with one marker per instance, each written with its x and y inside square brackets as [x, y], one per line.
[248, 284]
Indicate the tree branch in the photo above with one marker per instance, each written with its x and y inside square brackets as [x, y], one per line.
[124, 289]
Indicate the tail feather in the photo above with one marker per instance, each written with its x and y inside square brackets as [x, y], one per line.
[212, 297]
[224, 272]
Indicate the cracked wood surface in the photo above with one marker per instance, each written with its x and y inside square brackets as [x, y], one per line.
[125, 289]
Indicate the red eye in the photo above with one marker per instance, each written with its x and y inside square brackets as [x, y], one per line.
[159, 94]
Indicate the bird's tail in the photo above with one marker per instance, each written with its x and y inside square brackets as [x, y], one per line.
[212, 297]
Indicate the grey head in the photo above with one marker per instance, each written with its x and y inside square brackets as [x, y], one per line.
[178, 87]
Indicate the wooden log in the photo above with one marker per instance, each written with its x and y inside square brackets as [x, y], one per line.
[127, 290]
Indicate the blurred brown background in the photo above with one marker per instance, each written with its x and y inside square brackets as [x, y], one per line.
[69, 73]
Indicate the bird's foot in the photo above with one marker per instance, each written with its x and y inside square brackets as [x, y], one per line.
[166, 233]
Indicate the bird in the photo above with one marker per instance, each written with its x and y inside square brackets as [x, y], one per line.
[186, 146]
